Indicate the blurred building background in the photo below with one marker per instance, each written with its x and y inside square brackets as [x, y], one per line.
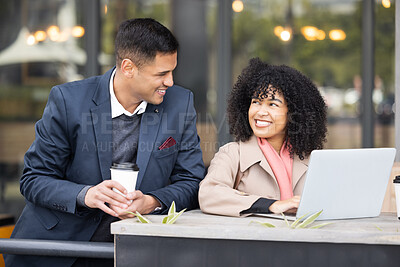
[47, 42]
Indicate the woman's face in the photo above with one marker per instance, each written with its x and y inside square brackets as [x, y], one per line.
[268, 117]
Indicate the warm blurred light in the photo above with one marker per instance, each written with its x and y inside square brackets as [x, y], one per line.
[278, 30]
[54, 33]
[31, 40]
[310, 33]
[237, 6]
[78, 31]
[285, 35]
[321, 35]
[386, 3]
[40, 36]
[63, 36]
[337, 35]
[105, 9]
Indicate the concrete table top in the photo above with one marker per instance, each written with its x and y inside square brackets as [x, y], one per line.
[384, 229]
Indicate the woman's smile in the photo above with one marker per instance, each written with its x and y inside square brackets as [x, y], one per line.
[262, 123]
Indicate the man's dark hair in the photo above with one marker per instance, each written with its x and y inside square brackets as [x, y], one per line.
[306, 129]
[141, 39]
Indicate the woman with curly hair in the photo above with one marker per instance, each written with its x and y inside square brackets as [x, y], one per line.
[277, 117]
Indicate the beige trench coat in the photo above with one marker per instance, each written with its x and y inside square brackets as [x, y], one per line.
[244, 161]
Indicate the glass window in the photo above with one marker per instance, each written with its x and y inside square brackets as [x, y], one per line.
[323, 40]
[42, 43]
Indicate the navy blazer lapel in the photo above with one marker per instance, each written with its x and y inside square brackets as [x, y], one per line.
[102, 124]
[149, 126]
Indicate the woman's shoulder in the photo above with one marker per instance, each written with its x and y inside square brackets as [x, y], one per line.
[229, 152]
[230, 146]
[234, 149]
[251, 143]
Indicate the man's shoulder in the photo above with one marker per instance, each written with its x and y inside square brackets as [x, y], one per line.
[78, 87]
[89, 88]
[177, 90]
[177, 96]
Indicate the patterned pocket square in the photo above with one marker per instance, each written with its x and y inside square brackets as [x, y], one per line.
[168, 143]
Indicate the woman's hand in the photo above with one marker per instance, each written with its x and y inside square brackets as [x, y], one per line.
[289, 205]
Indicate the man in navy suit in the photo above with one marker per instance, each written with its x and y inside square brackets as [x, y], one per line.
[133, 113]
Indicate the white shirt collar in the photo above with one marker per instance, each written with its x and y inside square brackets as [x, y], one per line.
[116, 108]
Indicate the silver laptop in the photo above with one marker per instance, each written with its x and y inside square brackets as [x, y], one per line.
[345, 183]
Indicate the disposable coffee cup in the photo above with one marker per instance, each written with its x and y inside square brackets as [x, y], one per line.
[126, 174]
[396, 183]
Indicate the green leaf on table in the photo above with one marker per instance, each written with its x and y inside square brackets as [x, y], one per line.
[167, 218]
[172, 210]
[174, 218]
[309, 220]
[141, 218]
[293, 225]
[265, 224]
[284, 217]
[320, 225]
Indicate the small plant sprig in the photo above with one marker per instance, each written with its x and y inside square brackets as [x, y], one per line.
[169, 219]
[296, 224]
[172, 215]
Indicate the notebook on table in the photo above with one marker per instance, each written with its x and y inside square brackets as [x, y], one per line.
[345, 183]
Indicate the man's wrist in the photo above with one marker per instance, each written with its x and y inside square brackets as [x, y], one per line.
[155, 205]
[80, 199]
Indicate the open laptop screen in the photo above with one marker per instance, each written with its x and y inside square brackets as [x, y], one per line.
[346, 183]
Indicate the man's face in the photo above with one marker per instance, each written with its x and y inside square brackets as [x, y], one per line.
[151, 81]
